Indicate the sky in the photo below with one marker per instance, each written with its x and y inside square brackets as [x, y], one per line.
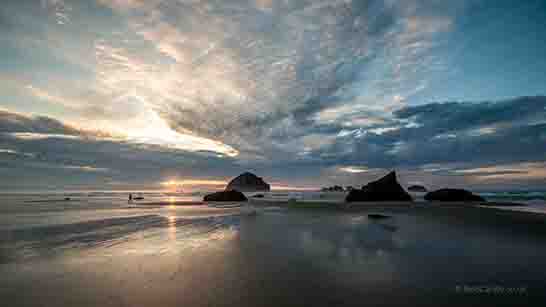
[135, 94]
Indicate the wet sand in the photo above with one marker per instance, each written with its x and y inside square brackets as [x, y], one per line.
[202, 256]
[144, 204]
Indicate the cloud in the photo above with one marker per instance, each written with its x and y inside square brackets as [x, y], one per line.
[35, 148]
[18, 123]
[513, 150]
[228, 85]
[12, 152]
[41, 136]
[273, 65]
[43, 95]
[354, 169]
[472, 133]
[85, 168]
[255, 78]
[445, 117]
[518, 171]
[60, 10]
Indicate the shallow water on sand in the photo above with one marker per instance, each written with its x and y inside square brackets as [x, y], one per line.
[107, 255]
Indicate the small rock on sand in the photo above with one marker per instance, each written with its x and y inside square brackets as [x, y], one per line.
[232, 195]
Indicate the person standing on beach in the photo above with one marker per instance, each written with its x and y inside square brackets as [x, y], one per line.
[130, 198]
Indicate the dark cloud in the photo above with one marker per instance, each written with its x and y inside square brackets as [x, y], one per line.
[438, 118]
[16, 123]
[479, 133]
[514, 138]
[43, 152]
[514, 144]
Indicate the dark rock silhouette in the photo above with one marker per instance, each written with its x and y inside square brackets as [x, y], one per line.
[384, 189]
[335, 188]
[503, 204]
[258, 196]
[232, 195]
[377, 216]
[417, 188]
[248, 182]
[453, 195]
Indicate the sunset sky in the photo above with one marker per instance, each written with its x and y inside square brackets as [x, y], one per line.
[134, 94]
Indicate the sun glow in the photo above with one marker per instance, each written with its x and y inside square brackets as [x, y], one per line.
[354, 169]
[193, 182]
[156, 131]
[150, 129]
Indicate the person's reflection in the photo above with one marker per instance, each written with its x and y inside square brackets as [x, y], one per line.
[171, 226]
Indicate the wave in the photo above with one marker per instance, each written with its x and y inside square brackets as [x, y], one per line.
[514, 195]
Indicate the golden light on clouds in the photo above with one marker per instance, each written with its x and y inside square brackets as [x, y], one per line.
[354, 169]
[142, 124]
[193, 182]
[503, 172]
[151, 129]
[185, 183]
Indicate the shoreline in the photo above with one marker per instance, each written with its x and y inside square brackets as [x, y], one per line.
[166, 204]
[393, 204]
[332, 205]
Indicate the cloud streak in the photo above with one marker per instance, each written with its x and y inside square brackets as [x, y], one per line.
[273, 65]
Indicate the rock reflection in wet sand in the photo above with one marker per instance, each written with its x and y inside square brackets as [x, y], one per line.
[278, 258]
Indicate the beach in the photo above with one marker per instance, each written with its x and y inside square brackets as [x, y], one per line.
[272, 153]
[119, 255]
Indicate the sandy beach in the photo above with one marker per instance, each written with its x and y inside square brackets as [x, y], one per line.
[200, 255]
[271, 153]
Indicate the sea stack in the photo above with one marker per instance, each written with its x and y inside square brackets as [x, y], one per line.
[384, 189]
[248, 182]
[453, 195]
[335, 188]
